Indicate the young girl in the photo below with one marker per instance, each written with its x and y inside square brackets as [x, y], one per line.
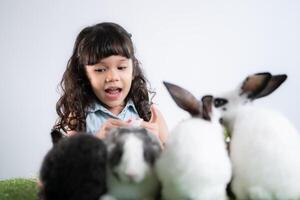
[104, 87]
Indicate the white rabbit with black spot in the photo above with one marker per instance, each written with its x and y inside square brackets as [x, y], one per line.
[265, 146]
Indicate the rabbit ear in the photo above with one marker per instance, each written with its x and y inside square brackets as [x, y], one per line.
[207, 102]
[272, 85]
[253, 85]
[56, 135]
[184, 99]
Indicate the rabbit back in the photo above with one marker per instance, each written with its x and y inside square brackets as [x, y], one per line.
[265, 150]
[194, 163]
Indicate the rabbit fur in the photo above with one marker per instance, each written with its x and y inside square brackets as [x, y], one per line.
[74, 169]
[194, 163]
[132, 153]
[264, 146]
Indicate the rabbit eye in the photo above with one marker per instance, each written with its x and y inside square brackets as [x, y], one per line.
[218, 102]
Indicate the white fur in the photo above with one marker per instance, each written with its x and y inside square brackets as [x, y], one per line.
[195, 163]
[264, 149]
[137, 178]
[265, 153]
[133, 166]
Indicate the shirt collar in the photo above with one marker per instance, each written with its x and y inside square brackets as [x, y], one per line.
[99, 107]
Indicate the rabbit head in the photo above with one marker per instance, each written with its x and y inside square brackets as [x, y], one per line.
[188, 102]
[253, 87]
[74, 169]
[132, 153]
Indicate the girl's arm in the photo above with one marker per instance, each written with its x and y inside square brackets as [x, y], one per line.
[156, 125]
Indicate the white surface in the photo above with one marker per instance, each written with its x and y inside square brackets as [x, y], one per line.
[204, 46]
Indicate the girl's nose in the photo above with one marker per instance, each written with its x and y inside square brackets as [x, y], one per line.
[112, 76]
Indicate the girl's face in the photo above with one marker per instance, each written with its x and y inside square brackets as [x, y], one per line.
[111, 81]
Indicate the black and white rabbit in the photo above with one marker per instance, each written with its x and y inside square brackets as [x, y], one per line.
[265, 146]
[195, 162]
[132, 153]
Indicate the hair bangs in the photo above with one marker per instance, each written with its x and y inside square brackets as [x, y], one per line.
[92, 50]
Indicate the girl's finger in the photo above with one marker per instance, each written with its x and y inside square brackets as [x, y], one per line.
[154, 114]
[117, 122]
[153, 128]
[71, 133]
[145, 124]
[149, 125]
[108, 127]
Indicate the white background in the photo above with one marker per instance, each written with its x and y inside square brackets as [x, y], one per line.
[204, 46]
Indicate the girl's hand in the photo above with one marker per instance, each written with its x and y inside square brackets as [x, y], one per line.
[71, 133]
[156, 125]
[108, 125]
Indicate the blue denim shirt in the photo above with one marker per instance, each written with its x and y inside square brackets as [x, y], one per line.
[98, 114]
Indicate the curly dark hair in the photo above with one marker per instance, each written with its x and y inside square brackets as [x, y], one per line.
[93, 44]
[74, 169]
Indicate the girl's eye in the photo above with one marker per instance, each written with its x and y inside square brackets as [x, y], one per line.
[122, 67]
[100, 70]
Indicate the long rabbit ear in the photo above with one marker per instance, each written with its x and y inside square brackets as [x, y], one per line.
[184, 99]
[207, 102]
[56, 135]
[272, 85]
[253, 85]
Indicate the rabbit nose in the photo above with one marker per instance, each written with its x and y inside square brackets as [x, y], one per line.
[131, 176]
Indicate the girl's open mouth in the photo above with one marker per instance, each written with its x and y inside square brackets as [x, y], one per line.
[113, 93]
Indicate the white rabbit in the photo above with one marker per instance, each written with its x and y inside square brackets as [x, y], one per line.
[194, 163]
[264, 147]
[132, 153]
